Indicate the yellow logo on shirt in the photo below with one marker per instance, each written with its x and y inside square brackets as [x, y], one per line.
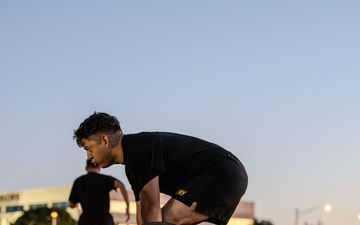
[181, 192]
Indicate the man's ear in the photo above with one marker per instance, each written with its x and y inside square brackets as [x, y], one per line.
[105, 140]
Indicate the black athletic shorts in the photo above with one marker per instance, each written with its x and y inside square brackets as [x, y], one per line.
[217, 191]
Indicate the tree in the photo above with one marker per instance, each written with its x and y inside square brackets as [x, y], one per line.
[262, 222]
[41, 216]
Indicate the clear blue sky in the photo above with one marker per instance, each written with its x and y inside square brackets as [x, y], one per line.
[275, 82]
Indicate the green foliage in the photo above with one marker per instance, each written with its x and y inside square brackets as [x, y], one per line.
[41, 216]
[262, 222]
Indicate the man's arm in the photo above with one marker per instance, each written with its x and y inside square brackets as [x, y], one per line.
[119, 184]
[150, 201]
[73, 198]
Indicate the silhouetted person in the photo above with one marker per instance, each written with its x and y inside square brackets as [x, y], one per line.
[92, 192]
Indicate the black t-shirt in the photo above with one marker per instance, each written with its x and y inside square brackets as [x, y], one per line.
[92, 192]
[174, 157]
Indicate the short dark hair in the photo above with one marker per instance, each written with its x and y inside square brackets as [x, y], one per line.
[96, 123]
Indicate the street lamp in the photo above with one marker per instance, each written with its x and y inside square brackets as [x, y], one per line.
[298, 213]
[54, 216]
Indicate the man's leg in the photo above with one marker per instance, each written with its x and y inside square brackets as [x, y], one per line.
[178, 213]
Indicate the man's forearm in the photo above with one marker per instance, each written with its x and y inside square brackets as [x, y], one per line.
[150, 213]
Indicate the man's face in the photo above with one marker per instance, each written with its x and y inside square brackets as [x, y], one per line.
[98, 151]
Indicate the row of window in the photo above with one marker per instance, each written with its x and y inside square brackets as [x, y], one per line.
[16, 208]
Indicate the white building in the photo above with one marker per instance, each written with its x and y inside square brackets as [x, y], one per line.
[14, 203]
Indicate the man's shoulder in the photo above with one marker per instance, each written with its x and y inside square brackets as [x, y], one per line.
[145, 134]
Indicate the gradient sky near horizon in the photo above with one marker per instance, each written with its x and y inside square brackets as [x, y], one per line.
[275, 82]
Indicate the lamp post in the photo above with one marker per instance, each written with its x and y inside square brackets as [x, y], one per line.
[298, 213]
[54, 216]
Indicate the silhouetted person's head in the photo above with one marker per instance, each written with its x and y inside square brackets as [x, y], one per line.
[91, 167]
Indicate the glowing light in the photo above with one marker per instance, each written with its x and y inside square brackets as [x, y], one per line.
[327, 208]
[54, 214]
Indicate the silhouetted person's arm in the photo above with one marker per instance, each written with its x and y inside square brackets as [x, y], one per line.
[121, 186]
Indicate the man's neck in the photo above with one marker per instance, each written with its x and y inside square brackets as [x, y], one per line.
[119, 153]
